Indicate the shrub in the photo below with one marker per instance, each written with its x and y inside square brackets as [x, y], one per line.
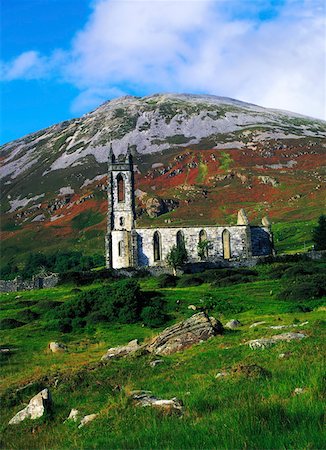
[27, 315]
[177, 256]
[319, 234]
[190, 280]
[121, 301]
[312, 287]
[167, 280]
[154, 315]
[9, 324]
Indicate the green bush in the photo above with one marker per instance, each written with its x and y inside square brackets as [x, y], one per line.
[167, 280]
[9, 324]
[190, 280]
[155, 314]
[312, 287]
[121, 301]
[27, 315]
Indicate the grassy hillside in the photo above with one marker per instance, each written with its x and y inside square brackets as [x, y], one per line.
[235, 411]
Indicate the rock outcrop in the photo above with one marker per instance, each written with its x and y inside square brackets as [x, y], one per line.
[122, 351]
[57, 347]
[184, 334]
[38, 405]
[269, 342]
[232, 324]
[145, 398]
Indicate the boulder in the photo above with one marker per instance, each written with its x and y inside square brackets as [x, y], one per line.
[156, 362]
[57, 347]
[122, 351]
[232, 324]
[183, 335]
[73, 415]
[256, 324]
[38, 405]
[154, 207]
[85, 420]
[145, 398]
[193, 307]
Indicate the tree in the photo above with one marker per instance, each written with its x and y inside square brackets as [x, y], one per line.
[202, 249]
[319, 234]
[177, 256]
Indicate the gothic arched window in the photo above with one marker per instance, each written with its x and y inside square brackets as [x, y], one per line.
[157, 246]
[121, 188]
[203, 245]
[180, 238]
[226, 240]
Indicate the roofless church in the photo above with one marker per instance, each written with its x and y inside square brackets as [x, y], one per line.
[130, 246]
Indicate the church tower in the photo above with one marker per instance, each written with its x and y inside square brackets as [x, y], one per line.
[121, 239]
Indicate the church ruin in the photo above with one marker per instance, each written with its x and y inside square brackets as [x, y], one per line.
[130, 246]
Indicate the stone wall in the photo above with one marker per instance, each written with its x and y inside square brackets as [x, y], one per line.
[240, 247]
[25, 285]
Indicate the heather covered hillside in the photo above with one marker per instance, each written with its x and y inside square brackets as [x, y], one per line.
[198, 160]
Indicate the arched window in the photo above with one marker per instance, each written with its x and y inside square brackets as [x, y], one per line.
[226, 244]
[121, 221]
[157, 246]
[203, 245]
[120, 248]
[121, 188]
[180, 238]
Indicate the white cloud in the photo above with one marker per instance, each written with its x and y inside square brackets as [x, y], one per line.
[219, 47]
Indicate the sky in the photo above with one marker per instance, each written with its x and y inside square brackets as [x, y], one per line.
[63, 58]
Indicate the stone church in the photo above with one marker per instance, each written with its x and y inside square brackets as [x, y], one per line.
[130, 246]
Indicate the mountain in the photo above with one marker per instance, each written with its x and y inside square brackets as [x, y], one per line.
[199, 158]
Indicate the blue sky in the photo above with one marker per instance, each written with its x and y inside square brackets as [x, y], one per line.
[62, 58]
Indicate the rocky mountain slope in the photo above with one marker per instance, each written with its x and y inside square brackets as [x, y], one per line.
[198, 158]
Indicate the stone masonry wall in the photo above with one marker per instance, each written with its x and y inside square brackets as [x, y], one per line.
[238, 243]
[26, 285]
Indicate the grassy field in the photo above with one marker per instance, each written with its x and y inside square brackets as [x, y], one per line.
[235, 411]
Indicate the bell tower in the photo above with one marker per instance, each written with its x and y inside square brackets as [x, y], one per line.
[120, 238]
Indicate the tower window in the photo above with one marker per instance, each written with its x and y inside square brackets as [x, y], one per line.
[120, 248]
[121, 188]
[122, 221]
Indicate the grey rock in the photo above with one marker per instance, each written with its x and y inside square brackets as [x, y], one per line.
[122, 351]
[156, 362]
[87, 419]
[183, 335]
[145, 398]
[232, 324]
[256, 324]
[299, 391]
[73, 415]
[57, 347]
[268, 342]
[38, 405]
[193, 307]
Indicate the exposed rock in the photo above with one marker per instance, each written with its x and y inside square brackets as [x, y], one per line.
[57, 347]
[261, 343]
[232, 324]
[299, 391]
[154, 207]
[85, 420]
[222, 374]
[121, 351]
[285, 355]
[184, 334]
[265, 179]
[256, 324]
[73, 415]
[268, 342]
[193, 307]
[242, 217]
[145, 398]
[38, 405]
[156, 362]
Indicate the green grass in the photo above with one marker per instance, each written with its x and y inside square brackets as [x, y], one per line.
[225, 161]
[86, 219]
[293, 237]
[229, 412]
